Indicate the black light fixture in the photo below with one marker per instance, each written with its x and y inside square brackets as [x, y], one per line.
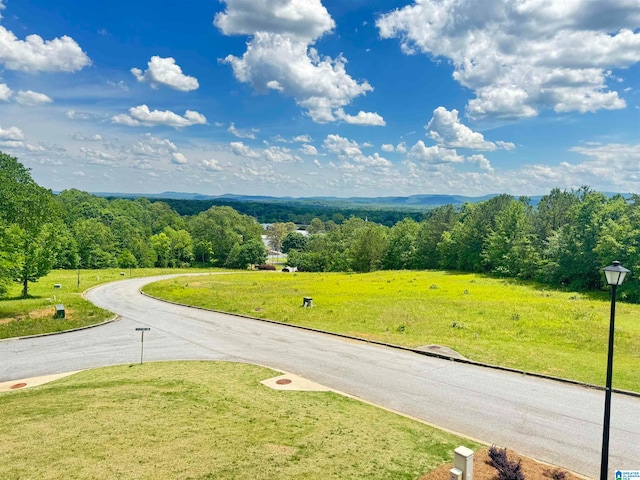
[615, 276]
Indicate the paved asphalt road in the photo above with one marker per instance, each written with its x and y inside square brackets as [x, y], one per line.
[554, 422]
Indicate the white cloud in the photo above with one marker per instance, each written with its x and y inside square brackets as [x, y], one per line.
[446, 129]
[481, 162]
[272, 154]
[87, 138]
[387, 147]
[306, 19]
[141, 115]
[520, 57]
[317, 163]
[279, 55]
[37, 55]
[96, 157]
[164, 71]
[506, 145]
[29, 98]
[150, 146]
[241, 133]
[349, 150]
[302, 139]
[212, 165]
[308, 149]
[401, 148]
[279, 155]
[5, 92]
[75, 115]
[12, 134]
[434, 155]
[120, 85]
[363, 118]
[178, 158]
[242, 150]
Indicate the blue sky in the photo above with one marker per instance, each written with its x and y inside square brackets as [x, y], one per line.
[332, 98]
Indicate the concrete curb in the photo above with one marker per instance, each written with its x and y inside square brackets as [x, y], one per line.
[86, 327]
[408, 349]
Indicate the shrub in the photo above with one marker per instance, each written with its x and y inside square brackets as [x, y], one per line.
[556, 474]
[266, 266]
[507, 470]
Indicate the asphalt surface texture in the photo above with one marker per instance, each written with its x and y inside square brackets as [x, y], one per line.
[550, 421]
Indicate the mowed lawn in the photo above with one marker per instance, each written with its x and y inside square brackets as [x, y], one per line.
[497, 321]
[206, 420]
[35, 315]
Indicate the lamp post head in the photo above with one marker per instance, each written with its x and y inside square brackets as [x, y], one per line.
[615, 273]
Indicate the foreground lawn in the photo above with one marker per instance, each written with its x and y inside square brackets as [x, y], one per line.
[35, 315]
[206, 420]
[491, 320]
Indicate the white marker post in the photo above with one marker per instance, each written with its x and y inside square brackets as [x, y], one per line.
[142, 330]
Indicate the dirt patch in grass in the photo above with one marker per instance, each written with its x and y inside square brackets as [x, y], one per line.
[46, 312]
[482, 469]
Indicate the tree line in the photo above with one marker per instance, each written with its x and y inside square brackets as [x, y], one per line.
[298, 212]
[564, 241]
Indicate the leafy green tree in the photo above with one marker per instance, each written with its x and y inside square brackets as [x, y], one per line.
[96, 244]
[277, 232]
[315, 226]
[203, 251]
[553, 212]
[180, 247]
[441, 219]
[368, 248]
[31, 212]
[308, 261]
[9, 255]
[401, 251]
[509, 248]
[578, 262]
[126, 259]
[162, 247]
[294, 241]
[223, 227]
[250, 253]
[469, 236]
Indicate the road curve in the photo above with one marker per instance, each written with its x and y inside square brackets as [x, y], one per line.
[554, 422]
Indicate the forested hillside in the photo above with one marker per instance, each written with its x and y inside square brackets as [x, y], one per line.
[564, 241]
[298, 212]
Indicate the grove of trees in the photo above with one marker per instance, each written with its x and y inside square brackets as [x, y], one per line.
[564, 241]
[40, 231]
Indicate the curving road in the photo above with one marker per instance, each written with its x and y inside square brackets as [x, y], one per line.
[554, 422]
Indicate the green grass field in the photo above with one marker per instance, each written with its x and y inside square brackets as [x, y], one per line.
[206, 420]
[35, 315]
[502, 322]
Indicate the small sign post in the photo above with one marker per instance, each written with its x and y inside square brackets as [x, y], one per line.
[142, 330]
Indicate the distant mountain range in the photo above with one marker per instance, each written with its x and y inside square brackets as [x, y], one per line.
[415, 201]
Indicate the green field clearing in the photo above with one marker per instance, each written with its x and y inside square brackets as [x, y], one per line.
[35, 315]
[497, 321]
[206, 420]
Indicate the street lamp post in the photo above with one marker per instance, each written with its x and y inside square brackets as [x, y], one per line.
[615, 276]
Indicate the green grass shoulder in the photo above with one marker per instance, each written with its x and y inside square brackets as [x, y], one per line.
[206, 420]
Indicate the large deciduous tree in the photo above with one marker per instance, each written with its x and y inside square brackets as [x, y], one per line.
[29, 214]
